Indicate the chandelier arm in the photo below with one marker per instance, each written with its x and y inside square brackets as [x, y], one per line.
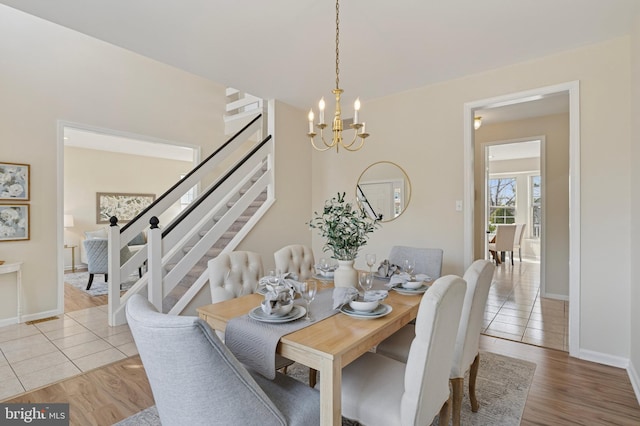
[320, 149]
[357, 148]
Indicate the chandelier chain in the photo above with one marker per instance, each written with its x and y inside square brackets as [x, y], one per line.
[337, 45]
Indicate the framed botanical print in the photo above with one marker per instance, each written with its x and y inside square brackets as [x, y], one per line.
[14, 222]
[14, 182]
[123, 206]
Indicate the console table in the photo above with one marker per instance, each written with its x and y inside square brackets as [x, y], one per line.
[73, 256]
[16, 267]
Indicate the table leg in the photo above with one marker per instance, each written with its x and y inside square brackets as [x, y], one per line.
[330, 392]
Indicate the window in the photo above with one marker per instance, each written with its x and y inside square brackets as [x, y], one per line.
[535, 201]
[502, 201]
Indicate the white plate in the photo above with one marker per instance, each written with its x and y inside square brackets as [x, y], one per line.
[411, 292]
[259, 315]
[380, 311]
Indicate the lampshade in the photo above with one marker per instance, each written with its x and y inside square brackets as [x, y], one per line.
[477, 122]
[68, 221]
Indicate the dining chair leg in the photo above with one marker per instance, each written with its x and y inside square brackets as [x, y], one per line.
[511, 256]
[457, 385]
[520, 254]
[473, 373]
[313, 377]
[445, 412]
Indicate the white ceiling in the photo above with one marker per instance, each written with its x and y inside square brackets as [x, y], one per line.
[514, 151]
[284, 49]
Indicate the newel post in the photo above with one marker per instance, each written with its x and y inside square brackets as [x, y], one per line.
[154, 256]
[113, 283]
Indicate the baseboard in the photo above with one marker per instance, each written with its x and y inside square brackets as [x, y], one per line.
[556, 296]
[635, 380]
[8, 321]
[606, 359]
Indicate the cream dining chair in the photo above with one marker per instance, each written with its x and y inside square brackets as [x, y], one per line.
[196, 380]
[466, 355]
[236, 274]
[378, 390]
[296, 258]
[517, 238]
[505, 235]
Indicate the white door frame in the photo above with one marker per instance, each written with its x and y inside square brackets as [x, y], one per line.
[573, 89]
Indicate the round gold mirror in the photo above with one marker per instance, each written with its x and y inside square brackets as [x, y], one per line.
[383, 191]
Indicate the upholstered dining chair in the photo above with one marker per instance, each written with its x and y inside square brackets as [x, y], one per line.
[233, 275]
[97, 252]
[378, 390]
[505, 236]
[196, 380]
[296, 258]
[466, 355]
[517, 239]
[427, 260]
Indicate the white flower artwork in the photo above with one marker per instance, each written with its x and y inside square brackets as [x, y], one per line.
[14, 222]
[14, 182]
[123, 206]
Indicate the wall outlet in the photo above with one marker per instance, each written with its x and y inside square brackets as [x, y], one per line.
[458, 205]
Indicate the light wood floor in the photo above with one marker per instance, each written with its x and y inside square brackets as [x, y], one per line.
[564, 391]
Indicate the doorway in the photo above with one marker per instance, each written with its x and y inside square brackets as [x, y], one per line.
[571, 90]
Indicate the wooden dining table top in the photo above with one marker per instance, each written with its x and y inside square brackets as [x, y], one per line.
[327, 345]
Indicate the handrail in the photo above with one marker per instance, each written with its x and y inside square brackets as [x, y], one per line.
[193, 171]
[213, 187]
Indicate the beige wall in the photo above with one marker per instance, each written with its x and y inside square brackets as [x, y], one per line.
[555, 129]
[425, 137]
[87, 171]
[50, 73]
[635, 208]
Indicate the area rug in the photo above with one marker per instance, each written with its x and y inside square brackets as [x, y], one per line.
[99, 286]
[502, 387]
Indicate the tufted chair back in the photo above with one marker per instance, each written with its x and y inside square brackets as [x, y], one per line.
[295, 258]
[234, 274]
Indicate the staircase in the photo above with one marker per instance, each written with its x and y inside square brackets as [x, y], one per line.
[216, 221]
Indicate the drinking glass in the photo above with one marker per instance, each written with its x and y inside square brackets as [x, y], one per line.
[366, 281]
[408, 266]
[371, 260]
[308, 289]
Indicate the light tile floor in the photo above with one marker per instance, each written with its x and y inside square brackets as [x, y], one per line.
[515, 310]
[43, 353]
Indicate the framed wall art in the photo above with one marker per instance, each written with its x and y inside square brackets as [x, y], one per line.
[14, 182]
[14, 222]
[121, 205]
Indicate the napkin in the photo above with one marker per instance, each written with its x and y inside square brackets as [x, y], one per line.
[371, 295]
[387, 269]
[342, 295]
[326, 271]
[403, 277]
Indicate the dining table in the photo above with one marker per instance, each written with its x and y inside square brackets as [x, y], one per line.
[325, 345]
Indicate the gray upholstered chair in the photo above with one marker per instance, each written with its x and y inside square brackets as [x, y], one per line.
[466, 355]
[196, 380]
[296, 258]
[427, 260]
[378, 390]
[97, 251]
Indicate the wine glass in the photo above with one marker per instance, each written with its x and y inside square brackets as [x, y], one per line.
[408, 266]
[366, 282]
[371, 260]
[308, 289]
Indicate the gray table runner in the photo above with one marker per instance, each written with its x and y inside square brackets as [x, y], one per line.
[254, 342]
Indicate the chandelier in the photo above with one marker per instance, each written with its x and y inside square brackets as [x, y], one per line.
[359, 128]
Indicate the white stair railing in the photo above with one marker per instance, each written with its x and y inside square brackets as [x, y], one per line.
[167, 243]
